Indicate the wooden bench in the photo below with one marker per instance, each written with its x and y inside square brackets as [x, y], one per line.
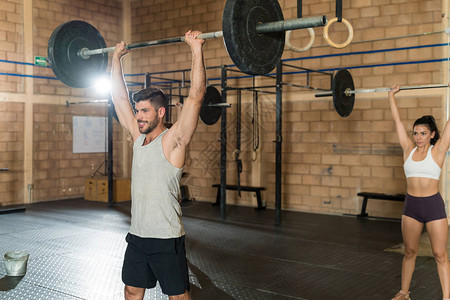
[244, 188]
[377, 196]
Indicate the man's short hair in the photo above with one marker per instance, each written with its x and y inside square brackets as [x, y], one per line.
[156, 97]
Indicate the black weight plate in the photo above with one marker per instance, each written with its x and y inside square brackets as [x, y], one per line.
[208, 114]
[342, 81]
[253, 53]
[63, 47]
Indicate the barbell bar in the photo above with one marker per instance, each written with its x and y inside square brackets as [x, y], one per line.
[253, 32]
[68, 103]
[87, 53]
[222, 105]
[349, 92]
[270, 27]
[343, 91]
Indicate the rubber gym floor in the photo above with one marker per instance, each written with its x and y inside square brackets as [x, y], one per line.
[76, 249]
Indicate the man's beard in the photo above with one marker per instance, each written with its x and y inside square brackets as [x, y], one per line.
[152, 125]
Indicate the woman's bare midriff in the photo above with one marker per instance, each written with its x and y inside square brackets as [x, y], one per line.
[422, 187]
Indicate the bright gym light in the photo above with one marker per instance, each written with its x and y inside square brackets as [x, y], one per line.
[102, 86]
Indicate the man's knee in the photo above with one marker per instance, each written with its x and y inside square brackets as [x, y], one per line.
[134, 293]
[185, 296]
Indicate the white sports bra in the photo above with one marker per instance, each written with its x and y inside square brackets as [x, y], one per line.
[425, 168]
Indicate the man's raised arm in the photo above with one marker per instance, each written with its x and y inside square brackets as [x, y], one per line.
[188, 120]
[180, 134]
[119, 92]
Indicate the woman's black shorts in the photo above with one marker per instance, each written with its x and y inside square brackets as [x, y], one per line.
[425, 209]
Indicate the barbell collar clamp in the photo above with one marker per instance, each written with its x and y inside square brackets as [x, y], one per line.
[82, 53]
[348, 92]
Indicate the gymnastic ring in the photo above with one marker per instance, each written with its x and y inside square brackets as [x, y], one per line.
[350, 33]
[298, 49]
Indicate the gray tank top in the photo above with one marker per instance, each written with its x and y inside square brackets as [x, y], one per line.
[155, 187]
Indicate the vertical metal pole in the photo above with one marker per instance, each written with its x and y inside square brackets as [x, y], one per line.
[110, 154]
[278, 142]
[148, 80]
[223, 146]
[307, 78]
[331, 81]
[238, 141]
[299, 8]
[169, 110]
[339, 10]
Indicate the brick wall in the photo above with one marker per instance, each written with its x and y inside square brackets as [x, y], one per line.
[11, 152]
[58, 173]
[162, 19]
[11, 45]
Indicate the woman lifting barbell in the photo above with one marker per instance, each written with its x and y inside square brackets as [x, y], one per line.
[423, 156]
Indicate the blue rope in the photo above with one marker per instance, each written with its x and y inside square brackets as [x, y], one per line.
[29, 76]
[285, 60]
[366, 52]
[346, 54]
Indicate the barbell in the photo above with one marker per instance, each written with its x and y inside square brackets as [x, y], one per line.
[253, 33]
[222, 105]
[343, 91]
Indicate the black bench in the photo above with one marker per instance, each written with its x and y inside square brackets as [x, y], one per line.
[11, 209]
[377, 196]
[243, 188]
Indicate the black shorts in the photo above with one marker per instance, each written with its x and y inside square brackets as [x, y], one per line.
[425, 209]
[148, 260]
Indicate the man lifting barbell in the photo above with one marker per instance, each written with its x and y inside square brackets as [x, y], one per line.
[156, 242]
